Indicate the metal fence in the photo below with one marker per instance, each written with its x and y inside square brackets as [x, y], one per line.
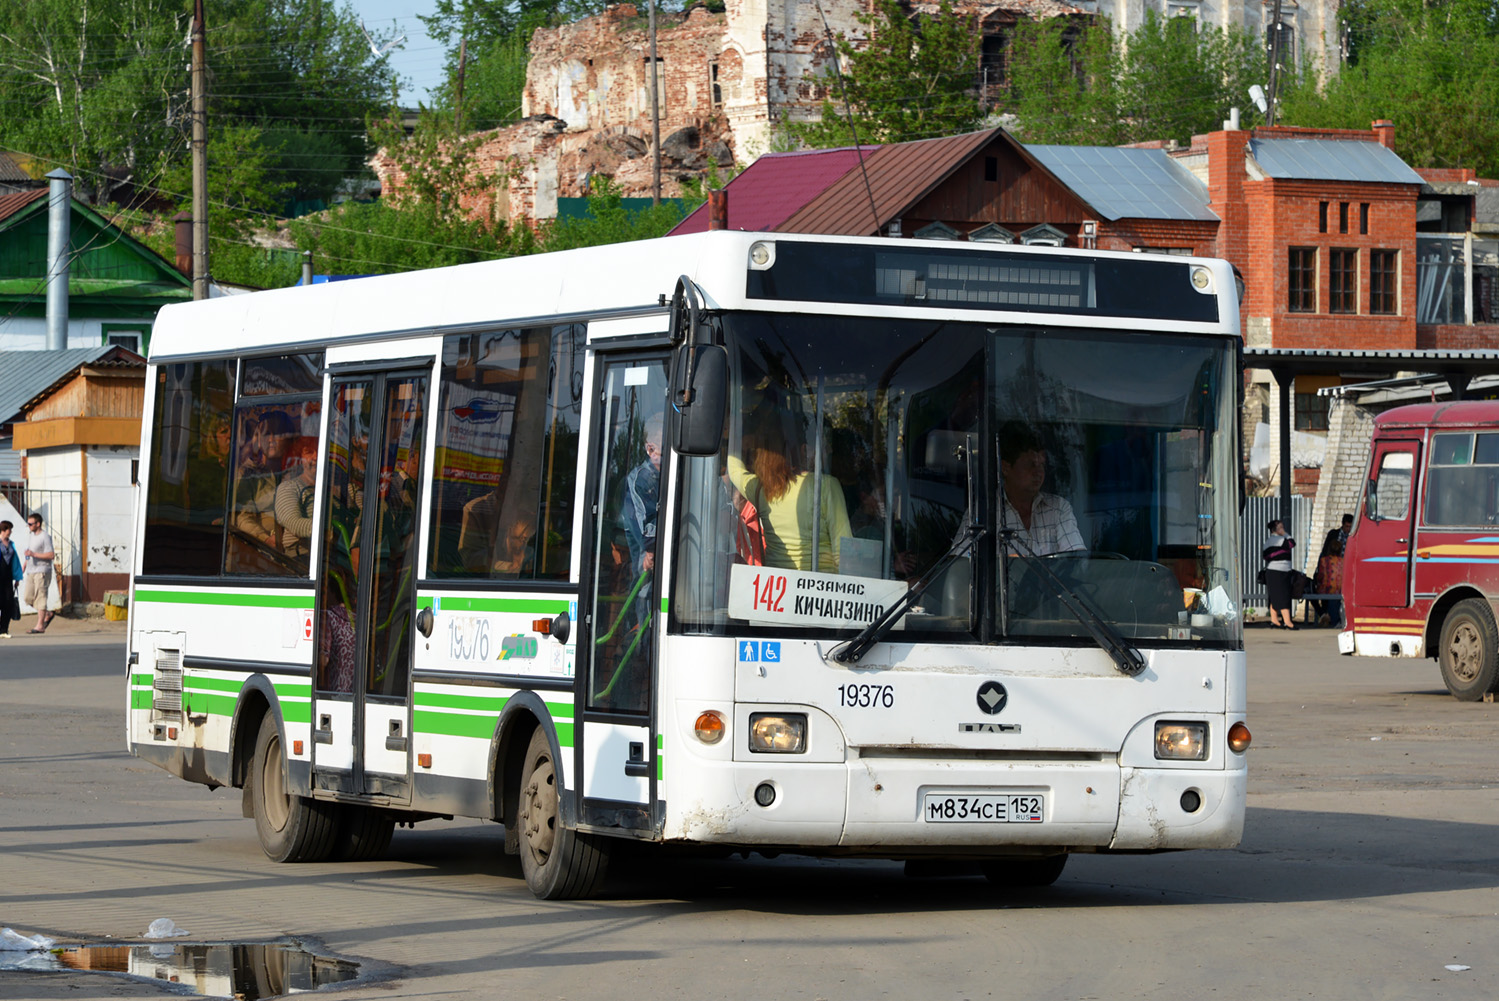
[1257, 513]
[62, 517]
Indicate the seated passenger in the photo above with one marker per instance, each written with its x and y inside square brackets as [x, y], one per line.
[515, 552]
[1044, 521]
[256, 479]
[777, 483]
[479, 531]
[294, 497]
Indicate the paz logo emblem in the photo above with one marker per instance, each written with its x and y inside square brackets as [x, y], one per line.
[992, 697]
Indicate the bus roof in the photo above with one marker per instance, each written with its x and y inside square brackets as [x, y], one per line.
[616, 280]
[1449, 413]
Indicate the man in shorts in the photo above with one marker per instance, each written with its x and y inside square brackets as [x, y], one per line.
[38, 569]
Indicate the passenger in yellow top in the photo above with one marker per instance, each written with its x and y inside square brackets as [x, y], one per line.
[780, 487]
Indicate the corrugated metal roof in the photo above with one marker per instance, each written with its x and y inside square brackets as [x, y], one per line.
[1415, 355]
[1128, 183]
[13, 203]
[11, 171]
[1331, 160]
[899, 176]
[775, 186]
[25, 375]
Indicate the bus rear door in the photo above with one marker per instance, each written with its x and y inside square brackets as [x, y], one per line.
[1381, 546]
[366, 584]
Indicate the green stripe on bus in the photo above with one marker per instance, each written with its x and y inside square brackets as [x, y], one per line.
[663, 604]
[197, 703]
[479, 703]
[226, 598]
[140, 698]
[546, 606]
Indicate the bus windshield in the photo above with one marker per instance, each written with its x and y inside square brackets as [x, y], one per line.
[858, 450]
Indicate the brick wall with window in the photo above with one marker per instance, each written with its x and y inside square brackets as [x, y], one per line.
[1328, 264]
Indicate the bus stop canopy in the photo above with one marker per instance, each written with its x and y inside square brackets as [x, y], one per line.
[1459, 367]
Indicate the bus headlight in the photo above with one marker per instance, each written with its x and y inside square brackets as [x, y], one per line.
[778, 733]
[1181, 741]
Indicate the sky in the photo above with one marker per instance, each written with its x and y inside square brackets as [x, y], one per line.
[419, 59]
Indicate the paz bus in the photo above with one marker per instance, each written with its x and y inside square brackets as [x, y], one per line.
[1419, 567]
[699, 541]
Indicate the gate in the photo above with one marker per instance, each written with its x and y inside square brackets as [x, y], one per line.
[1257, 513]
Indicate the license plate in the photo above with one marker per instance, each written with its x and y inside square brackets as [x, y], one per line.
[987, 808]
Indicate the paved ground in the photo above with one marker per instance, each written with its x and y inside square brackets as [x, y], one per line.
[1368, 868]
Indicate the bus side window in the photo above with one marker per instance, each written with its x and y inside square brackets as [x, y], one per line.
[1390, 491]
[504, 475]
[187, 472]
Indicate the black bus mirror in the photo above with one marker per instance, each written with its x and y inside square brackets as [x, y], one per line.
[700, 391]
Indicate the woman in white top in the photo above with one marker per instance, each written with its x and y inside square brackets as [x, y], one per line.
[1279, 574]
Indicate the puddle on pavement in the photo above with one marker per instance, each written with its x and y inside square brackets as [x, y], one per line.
[248, 971]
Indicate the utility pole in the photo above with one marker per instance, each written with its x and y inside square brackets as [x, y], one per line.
[200, 155]
[458, 103]
[1275, 27]
[656, 110]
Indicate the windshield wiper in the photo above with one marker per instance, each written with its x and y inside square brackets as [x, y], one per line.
[1126, 658]
[850, 652]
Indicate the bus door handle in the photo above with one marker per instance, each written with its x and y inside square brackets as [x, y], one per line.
[393, 740]
[323, 732]
[1401, 542]
[637, 767]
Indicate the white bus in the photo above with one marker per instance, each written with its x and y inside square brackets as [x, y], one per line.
[727, 540]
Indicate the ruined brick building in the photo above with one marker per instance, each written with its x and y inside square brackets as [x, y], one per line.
[726, 78]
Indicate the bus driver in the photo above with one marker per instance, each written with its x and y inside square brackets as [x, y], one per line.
[1045, 521]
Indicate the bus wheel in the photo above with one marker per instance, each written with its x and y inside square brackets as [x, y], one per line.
[363, 833]
[558, 863]
[1469, 652]
[290, 828]
[1018, 873]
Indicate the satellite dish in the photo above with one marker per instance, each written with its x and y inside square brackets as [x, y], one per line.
[1257, 95]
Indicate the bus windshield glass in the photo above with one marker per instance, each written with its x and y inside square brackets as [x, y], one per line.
[859, 451]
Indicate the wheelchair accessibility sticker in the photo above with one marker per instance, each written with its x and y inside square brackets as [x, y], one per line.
[759, 651]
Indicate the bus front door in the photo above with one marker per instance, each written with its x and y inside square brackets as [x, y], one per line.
[366, 585]
[1382, 543]
[618, 759]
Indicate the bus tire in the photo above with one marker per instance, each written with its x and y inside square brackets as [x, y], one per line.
[558, 863]
[290, 828]
[1019, 873]
[1469, 650]
[364, 833]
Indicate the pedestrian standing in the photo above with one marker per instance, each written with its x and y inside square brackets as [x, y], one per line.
[10, 579]
[1279, 573]
[40, 554]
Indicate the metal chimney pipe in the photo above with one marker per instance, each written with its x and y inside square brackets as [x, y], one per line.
[59, 235]
[718, 208]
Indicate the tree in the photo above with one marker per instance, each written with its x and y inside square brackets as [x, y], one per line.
[93, 86]
[1432, 69]
[609, 221]
[915, 79]
[1169, 79]
[100, 87]
[1062, 84]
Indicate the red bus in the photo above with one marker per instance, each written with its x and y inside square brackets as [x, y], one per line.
[1421, 569]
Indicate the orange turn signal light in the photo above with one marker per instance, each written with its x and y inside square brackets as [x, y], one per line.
[1239, 738]
[424, 760]
[296, 747]
[543, 626]
[709, 727]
